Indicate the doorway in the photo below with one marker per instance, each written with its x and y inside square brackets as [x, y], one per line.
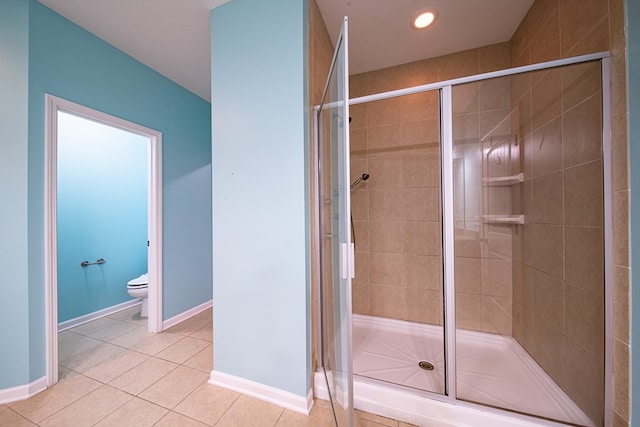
[55, 109]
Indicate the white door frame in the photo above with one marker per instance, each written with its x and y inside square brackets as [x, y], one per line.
[154, 211]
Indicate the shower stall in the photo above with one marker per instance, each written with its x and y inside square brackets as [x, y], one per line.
[480, 291]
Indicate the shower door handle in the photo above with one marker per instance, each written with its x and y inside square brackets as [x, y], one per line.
[347, 261]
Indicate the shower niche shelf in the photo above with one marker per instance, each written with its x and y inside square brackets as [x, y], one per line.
[504, 180]
[503, 219]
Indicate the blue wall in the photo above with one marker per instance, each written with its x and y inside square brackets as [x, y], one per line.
[102, 213]
[60, 58]
[259, 109]
[14, 272]
[71, 63]
[633, 71]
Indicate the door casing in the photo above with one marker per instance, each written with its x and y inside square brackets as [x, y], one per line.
[154, 211]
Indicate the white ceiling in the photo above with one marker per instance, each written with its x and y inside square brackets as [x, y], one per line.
[380, 34]
[172, 36]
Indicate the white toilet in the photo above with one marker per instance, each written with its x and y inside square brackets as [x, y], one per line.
[139, 288]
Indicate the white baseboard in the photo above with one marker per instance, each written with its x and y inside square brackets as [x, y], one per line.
[320, 386]
[22, 392]
[68, 324]
[186, 314]
[267, 393]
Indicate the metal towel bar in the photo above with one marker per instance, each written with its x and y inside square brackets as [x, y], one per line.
[98, 261]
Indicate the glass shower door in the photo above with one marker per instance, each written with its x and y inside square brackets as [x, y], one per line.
[336, 248]
[529, 255]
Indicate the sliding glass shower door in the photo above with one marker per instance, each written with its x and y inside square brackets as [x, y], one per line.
[529, 243]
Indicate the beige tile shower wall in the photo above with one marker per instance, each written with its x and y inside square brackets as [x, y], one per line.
[396, 213]
[558, 292]
[482, 140]
[320, 55]
[558, 273]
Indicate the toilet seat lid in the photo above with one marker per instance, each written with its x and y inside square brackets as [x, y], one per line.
[139, 282]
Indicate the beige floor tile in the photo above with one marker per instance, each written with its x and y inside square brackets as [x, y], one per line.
[13, 419]
[206, 314]
[92, 356]
[90, 409]
[361, 422]
[142, 376]
[189, 326]
[321, 403]
[116, 366]
[131, 315]
[68, 338]
[204, 333]
[132, 338]
[183, 350]
[134, 413]
[319, 417]
[173, 419]
[114, 331]
[160, 382]
[65, 373]
[207, 403]
[202, 361]
[251, 412]
[174, 387]
[55, 398]
[71, 344]
[365, 419]
[156, 343]
[104, 329]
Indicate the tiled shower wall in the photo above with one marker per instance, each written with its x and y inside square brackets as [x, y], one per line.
[558, 268]
[556, 314]
[396, 212]
[482, 146]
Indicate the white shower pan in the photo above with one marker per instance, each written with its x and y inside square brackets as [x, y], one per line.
[492, 370]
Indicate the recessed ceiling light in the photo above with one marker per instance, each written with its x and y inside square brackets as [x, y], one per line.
[423, 19]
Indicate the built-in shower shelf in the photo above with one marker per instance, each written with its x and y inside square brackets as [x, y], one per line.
[503, 219]
[504, 180]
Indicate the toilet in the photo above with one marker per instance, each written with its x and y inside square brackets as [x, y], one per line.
[139, 288]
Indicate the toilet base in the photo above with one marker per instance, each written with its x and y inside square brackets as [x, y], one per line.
[144, 309]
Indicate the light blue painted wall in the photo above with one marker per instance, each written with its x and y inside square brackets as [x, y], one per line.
[43, 52]
[259, 110]
[71, 63]
[102, 213]
[633, 71]
[14, 273]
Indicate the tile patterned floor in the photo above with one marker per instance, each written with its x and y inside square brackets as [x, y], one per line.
[114, 373]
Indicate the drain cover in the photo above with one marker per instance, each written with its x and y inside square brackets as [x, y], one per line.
[426, 365]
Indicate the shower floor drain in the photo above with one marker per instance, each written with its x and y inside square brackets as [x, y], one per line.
[426, 365]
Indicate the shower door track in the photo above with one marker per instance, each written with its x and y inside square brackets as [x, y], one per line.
[446, 122]
[478, 77]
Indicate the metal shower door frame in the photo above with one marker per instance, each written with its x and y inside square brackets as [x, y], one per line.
[446, 123]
